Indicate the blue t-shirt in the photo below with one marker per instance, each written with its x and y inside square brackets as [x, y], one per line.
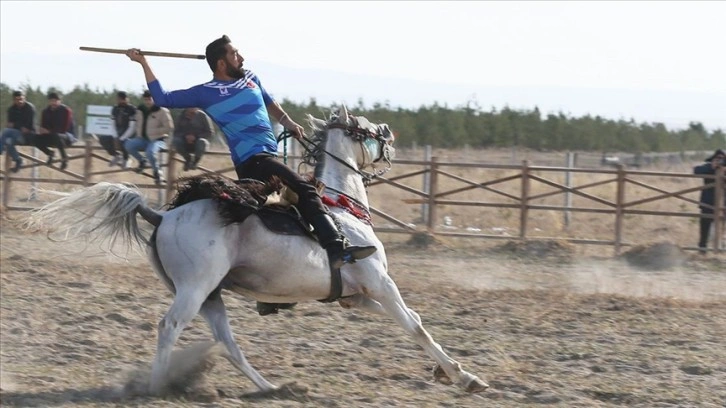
[238, 107]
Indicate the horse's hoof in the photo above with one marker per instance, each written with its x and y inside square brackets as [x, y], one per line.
[440, 375]
[476, 385]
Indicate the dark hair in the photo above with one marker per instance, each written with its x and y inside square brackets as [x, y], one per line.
[146, 94]
[216, 50]
[17, 93]
[122, 95]
[718, 152]
[53, 95]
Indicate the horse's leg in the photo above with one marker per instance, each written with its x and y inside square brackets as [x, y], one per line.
[185, 306]
[215, 314]
[361, 302]
[385, 292]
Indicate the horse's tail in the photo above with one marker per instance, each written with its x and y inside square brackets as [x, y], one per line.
[102, 212]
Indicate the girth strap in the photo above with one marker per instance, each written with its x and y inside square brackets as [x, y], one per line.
[336, 286]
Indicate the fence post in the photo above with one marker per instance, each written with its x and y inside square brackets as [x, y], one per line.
[619, 209]
[569, 163]
[524, 201]
[87, 161]
[432, 189]
[171, 176]
[719, 215]
[34, 175]
[7, 181]
[426, 181]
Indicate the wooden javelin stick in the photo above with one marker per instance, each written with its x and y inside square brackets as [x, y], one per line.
[147, 53]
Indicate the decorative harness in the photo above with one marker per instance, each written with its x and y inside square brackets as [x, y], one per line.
[351, 206]
[365, 133]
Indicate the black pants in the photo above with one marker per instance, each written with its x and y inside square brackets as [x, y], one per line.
[198, 148]
[39, 141]
[46, 141]
[262, 167]
[705, 224]
[113, 146]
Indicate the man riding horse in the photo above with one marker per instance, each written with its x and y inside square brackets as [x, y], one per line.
[241, 107]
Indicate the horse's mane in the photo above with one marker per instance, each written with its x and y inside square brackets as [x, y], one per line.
[236, 199]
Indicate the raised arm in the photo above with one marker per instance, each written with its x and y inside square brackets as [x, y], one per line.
[135, 55]
[175, 99]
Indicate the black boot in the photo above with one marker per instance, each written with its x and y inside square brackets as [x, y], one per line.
[332, 240]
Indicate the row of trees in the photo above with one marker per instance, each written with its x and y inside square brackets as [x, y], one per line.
[469, 124]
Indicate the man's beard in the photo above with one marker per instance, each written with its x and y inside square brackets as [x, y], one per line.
[236, 73]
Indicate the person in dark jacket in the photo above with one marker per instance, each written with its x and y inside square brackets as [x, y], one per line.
[124, 120]
[708, 195]
[20, 128]
[55, 123]
[192, 131]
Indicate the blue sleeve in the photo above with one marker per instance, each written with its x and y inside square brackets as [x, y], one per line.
[265, 96]
[186, 98]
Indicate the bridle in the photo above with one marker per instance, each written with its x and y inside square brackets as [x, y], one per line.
[360, 132]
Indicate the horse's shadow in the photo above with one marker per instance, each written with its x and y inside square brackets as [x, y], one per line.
[118, 396]
[61, 397]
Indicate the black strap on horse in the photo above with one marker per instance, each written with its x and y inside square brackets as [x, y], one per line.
[336, 286]
[336, 280]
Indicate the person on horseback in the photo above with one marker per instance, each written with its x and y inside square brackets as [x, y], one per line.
[238, 103]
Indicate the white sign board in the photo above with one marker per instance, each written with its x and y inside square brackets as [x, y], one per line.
[100, 126]
[98, 110]
[99, 121]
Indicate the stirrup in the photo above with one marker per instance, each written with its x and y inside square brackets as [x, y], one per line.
[349, 255]
[353, 253]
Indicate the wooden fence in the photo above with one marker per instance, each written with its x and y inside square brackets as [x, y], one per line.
[510, 191]
[524, 201]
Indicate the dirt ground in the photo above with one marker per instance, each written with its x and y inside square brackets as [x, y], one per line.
[541, 324]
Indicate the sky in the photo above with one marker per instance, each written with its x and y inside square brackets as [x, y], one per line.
[647, 61]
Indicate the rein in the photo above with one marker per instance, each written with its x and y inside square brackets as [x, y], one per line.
[358, 134]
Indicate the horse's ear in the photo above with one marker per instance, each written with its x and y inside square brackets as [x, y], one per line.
[343, 115]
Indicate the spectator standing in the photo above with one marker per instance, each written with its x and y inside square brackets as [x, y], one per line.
[708, 195]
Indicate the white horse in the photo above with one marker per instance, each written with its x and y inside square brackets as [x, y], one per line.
[196, 252]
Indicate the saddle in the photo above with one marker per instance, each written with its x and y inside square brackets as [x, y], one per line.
[284, 220]
[273, 202]
[279, 211]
